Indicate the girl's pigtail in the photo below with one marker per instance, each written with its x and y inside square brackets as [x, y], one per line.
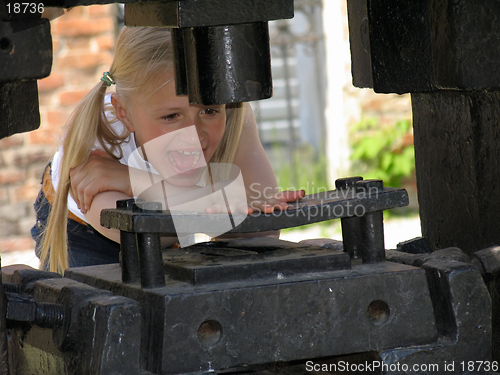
[82, 130]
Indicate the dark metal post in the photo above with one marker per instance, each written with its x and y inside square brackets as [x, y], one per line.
[351, 226]
[372, 225]
[372, 234]
[4, 354]
[457, 156]
[223, 53]
[129, 255]
[151, 260]
[445, 53]
[149, 248]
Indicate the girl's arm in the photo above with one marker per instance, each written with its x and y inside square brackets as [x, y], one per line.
[260, 181]
[258, 175]
[100, 202]
[107, 200]
[100, 173]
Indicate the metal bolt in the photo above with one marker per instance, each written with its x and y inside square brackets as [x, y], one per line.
[147, 206]
[346, 182]
[125, 204]
[369, 185]
[50, 315]
[24, 309]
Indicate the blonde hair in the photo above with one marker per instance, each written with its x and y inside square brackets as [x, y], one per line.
[142, 54]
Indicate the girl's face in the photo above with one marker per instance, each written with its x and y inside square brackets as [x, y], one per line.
[176, 136]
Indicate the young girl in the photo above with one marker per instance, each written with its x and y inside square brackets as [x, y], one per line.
[89, 173]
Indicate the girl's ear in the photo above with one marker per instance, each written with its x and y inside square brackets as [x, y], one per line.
[121, 112]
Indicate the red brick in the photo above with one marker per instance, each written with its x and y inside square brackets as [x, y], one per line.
[80, 27]
[84, 60]
[75, 13]
[105, 42]
[25, 193]
[56, 44]
[52, 82]
[100, 11]
[4, 196]
[12, 141]
[71, 97]
[407, 140]
[78, 43]
[41, 155]
[44, 98]
[85, 79]
[17, 243]
[56, 118]
[36, 171]
[10, 176]
[38, 137]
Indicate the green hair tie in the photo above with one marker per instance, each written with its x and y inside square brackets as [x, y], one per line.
[107, 78]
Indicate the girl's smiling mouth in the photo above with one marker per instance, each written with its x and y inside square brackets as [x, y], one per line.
[185, 160]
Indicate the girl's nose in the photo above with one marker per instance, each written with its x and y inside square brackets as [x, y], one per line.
[189, 135]
[201, 134]
[197, 122]
[192, 135]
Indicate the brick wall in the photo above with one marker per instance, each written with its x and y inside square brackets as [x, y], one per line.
[83, 39]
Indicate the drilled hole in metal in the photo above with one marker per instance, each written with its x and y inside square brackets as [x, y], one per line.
[210, 332]
[378, 312]
[5, 45]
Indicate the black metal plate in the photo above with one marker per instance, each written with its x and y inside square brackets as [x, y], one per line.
[200, 264]
[315, 208]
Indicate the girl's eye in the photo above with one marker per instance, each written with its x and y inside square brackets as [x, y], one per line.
[172, 116]
[210, 111]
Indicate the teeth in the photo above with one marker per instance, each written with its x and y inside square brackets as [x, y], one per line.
[197, 155]
[188, 153]
[196, 158]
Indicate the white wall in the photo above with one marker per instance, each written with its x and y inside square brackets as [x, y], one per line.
[338, 78]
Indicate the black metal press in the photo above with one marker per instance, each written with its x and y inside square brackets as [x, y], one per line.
[262, 305]
[357, 201]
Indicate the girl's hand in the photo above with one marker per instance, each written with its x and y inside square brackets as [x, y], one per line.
[234, 207]
[278, 202]
[99, 173]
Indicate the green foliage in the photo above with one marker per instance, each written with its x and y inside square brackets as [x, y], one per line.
[306, 172]
[382, 151]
